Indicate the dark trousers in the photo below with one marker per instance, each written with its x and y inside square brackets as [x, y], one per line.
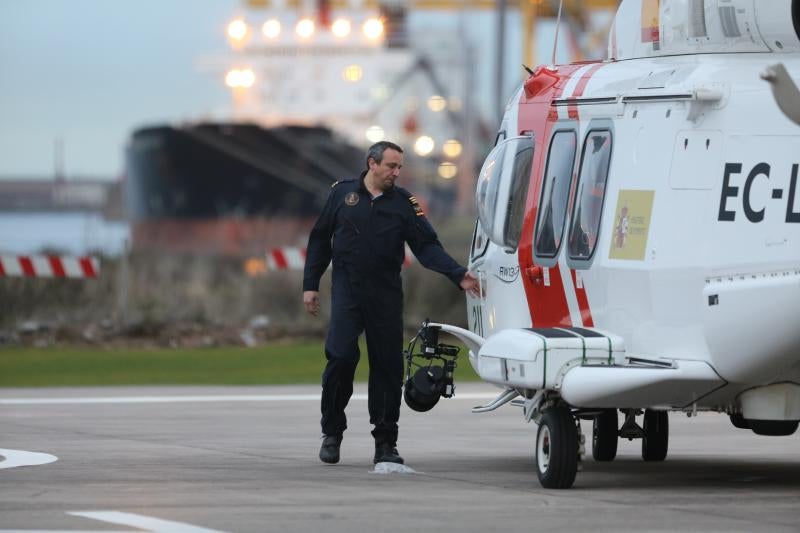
[377, 311]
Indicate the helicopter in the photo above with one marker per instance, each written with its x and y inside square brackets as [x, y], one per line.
[638, 237]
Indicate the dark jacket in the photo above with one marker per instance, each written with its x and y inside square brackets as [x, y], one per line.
[366, 237]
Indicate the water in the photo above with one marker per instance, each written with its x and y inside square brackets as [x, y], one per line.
[68, 233]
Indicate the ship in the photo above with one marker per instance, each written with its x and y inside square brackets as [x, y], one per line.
[230, 189]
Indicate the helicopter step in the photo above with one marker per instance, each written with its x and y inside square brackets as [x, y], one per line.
[538, 358]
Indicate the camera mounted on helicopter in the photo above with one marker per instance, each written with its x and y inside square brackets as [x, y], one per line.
[429, 373]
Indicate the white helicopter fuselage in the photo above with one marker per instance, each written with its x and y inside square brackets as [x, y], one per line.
[638, 235]
[718, 276]
[694, 233]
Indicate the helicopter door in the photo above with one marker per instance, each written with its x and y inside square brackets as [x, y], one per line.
[501, 194]
[480, 244]
[545, 278]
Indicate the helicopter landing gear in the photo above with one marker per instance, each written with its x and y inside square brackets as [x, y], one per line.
[557, 448]
[654, 432]
[604, 436]
[656, 435]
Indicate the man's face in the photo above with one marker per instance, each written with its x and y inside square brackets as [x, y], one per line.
[387, 171]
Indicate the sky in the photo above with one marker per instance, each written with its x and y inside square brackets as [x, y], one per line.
[88, 72]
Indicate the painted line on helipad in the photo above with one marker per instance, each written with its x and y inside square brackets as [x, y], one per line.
[15, 458]
[204, 398]
[147, 523]
[141, 522]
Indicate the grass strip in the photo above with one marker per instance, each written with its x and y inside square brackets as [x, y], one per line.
[273, 364]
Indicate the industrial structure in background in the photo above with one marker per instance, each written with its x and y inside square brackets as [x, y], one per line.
[314, 83]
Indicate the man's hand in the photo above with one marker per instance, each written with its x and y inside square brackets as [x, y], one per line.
[311, 301]
[470, 284]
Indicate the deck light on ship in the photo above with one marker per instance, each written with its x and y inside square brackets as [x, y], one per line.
[304, 28]
[448, 170]
[353, 73]
[240, 78]
[271, 29]
[247, 78]
[373, 29]
[451, 148]
[436, 103]
[375, 134]
[232, 78]
[424, 145]
[237, 31]
[341, 28]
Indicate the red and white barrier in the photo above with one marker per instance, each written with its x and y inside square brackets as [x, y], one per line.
[49, 266]
[295, 258]
[286, 259]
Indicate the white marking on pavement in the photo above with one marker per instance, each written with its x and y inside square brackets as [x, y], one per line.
[392, 468]
[63, 531]
[144, 523]
[208, 398]
[15, 458]
[148, 523]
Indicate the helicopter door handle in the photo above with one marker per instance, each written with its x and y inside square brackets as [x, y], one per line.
[535, 273]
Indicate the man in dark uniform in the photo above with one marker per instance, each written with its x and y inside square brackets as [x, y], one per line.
[363, 228]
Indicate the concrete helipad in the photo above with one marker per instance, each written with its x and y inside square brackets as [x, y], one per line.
[243, 459]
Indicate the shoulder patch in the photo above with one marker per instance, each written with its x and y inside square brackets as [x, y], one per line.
[416, 206]
[339, 182]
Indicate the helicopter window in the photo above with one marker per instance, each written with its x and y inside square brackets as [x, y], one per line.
[502, 186]
[589, 195]
[518, 195]
[479, 241]
[488, 184]
[555, 193]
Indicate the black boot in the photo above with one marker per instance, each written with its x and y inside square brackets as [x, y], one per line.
[329, 451]
[386, 453]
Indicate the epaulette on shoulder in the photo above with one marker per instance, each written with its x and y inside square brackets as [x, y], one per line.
[413, 200]
[335, 183]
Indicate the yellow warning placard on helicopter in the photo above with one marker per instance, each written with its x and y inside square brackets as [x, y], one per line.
[631, 225]
[650, 21]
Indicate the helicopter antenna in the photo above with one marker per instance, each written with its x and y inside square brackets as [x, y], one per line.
[558, 25]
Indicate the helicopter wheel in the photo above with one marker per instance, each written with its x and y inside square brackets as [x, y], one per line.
[604, 436]
[656, 435]
[557, 448]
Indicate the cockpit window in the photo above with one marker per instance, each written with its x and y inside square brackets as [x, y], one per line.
[518, 194]
[555, 193]
[502, 190]
[479, 241]
[488, 185]
[589, 195]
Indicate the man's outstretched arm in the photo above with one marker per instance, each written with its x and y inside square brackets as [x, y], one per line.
[424, 242]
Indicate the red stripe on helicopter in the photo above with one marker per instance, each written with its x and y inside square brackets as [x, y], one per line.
[578, 92]
[547, 304]
[580, 292]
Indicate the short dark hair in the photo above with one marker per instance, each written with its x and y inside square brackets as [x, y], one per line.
[375, 152]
